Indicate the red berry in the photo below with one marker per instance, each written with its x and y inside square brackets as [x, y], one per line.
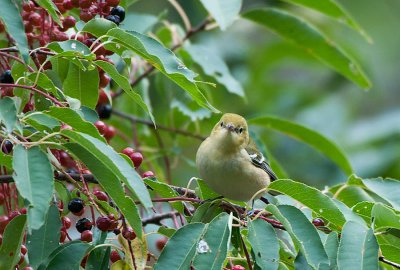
[102, 97]
[35, 19]
[66, 222]
[112, 3]
[128, 233]
[68, 5]
[28, 27]
[104, 80]
[103, 223]
[86, 16]
[318, 222]
[128, 151]
[23, 211]
[110, 133]
[102, 196]
[87, 236]
[137, 159]
[83, 224]
[85, 4]
[114, 256]
[238, 267]
[22, 259]
[27, 268]
[69, 22]
[65, 126]
[28, 6]
[101, 126]
[160, 243]
[148, 174]
[75, 3]
[24, 250]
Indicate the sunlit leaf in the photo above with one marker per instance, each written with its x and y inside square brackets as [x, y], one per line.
[224, 13]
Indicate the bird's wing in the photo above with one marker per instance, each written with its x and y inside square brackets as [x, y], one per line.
[259, 160]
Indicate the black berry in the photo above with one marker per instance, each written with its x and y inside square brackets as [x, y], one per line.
[104, 111]
[318, 222]
[118, 11]
[7, 146]
[76, 205]
[6, 77]
[114, 18]
[83, 224]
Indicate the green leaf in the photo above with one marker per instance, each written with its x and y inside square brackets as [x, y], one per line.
[224, 13]
[364, 209]
[68, 256]
[8, 113]
[42, 122]
[332, 9]
[351, 195]
[15, 27]
[75, 120]
[311, 137]
[123, 82]
[213, 65]
[12, 240]
[264, 243]
[348, 214]
[331, 247]
[43, 241]
[98, 26]
[5, 160]
[82, 85]
[385, 188]
[311, 40]
[358, 248]
[106, 173]
[165, 191]
[44, 82]
[33, 177]
[384, 218]
[162, 59]
[180, 248]
[311, 197]
[114, 162]
[206, 212]
[390, 246]
[213, 246]
[204, 191]
[168, 232]
[303, 233]
[52, 9]
[98, 259]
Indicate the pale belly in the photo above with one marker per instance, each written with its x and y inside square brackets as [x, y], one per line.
[227, 177]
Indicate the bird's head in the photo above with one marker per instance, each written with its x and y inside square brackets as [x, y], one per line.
[232, 130]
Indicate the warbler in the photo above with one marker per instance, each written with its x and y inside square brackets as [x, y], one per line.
[229, 162]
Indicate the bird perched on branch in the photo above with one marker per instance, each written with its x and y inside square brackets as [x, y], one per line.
[229, 162]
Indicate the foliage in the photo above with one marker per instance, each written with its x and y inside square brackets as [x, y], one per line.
[86, 88]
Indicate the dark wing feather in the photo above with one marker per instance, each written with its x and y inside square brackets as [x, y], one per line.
[258, 160]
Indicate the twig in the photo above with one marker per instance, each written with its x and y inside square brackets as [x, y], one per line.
[16, 59]
[157, 218]
[151, 125]
[246, 253]
[181, 13]
[395, 265]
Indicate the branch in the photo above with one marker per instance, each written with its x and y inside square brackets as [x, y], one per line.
[150, 124]
[157, 218]
[395, 265]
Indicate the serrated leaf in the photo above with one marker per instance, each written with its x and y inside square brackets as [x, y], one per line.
[75, 120]
[264, 242]
[180, 248]
[332, 9]
[213, 65]
[311, 137]
[303, 233]
[107, 174]
[223, 12]
[8, 113]
[311, 197]
[52, 9]
[387, 188]
[68, 256]
[123, 82]
[358, 248]
[162, 59]
[311, 40]
[216, 237]
[82, 85]
[11, 17]
[33, 177]
[43, 241]
[11, 244]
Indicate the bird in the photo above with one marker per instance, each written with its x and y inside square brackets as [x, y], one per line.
[229, 163]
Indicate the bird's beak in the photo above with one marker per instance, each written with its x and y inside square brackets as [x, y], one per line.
[230, 127]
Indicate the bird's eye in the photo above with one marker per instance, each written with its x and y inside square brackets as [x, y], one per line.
[240, 130]
[222, 124]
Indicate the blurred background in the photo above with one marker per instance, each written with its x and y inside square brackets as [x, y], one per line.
[282, 80]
